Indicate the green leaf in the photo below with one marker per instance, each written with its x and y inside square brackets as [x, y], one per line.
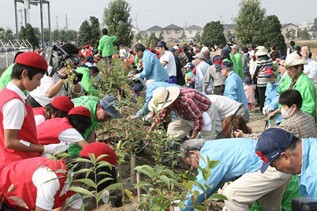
[165, 180]
[81, 191]
[104, 180]
[104, 164]
[87, 181]
[144, 185]
[129, 194]
[147, 170]
[115, 186]
[218, 196]
[83, 171]
[82, 160]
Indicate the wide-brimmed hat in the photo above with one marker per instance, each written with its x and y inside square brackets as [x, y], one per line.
[163, 97]
[261, 51]
[294, 59]
[199, 55]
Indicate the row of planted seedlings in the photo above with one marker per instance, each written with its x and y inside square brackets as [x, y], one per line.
[154, 185]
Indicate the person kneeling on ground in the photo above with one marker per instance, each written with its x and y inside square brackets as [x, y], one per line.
[43, 184]
[236, 160]
[59, 107]
[65, 130]
[194, 109]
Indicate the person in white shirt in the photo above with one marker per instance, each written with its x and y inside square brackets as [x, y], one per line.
[122, 52]
[168, 61]
[201, 70]
[310, 69]
[53, 86]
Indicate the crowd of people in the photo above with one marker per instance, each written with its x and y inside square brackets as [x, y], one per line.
[209, 92]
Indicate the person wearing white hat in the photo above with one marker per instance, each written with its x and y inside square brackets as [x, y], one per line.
[195, 111]
[201, 70]
[299, 81]
[263, 61]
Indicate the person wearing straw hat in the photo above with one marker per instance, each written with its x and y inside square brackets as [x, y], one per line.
[299, 81]
[194, 109]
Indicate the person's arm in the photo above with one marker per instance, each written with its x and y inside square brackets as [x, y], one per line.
[71, 135]
[12, 141]
[309, 99]
[86, 85]
[196, 115]
[147, 67]
[54, 89]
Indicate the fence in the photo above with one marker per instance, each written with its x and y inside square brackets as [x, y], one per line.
[6, 58]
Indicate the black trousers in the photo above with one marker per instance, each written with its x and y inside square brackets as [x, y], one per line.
[261, 92]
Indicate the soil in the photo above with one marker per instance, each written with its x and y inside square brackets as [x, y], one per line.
[256, 123]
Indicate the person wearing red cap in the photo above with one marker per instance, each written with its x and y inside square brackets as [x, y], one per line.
[43, 184]
[59, 107]
[65, 130]
[214, 81]
[18, 139]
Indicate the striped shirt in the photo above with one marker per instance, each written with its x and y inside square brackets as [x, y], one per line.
[261, 64]
[189, 105]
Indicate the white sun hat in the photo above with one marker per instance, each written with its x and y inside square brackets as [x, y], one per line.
[163, 97]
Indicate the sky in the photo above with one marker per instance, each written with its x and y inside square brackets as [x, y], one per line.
[147, 13]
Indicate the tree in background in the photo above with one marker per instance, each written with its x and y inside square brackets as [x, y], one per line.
[213, 34]
[6, 35]
[138, 36]
[95, 31]
[66, 36]
[272, 33]
[27, 33]
[314, 27]
[290, 34]
[84, 34]
[152, 40]
[89, 32]
[303, 34]
[118, 21]
[197, 37]
[249, 23]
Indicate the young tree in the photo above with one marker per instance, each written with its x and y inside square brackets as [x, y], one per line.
[118, 21]
[249, 23]
[213, 34]
[273, 35]
[197, 37]
[138, 36]
[152, 40]
[28, 33]
[314, 27]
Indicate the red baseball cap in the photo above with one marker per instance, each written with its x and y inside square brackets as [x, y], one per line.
[62, 103]
[268, 71]
[80, 110]
[32, 59]
[99, 148]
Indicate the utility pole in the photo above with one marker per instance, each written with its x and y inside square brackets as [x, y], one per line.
[66, 25]
[57, 22]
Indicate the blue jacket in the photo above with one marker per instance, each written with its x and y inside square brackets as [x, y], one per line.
[148, 96]
[271, 99]
[237, 157]
[152, 68]
[234, 89]
[308, 177]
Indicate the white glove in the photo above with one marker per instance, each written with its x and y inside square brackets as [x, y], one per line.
[136, 77]
[264, 110]
[55, 148]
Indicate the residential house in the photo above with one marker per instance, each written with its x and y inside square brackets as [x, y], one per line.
[154, 29]
[290, 31]
[191, 31]
[172, 32]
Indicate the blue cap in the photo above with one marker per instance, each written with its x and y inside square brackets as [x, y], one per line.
[271, 144]
[190, 65]
[225, 51]
[107, 104]
[227, 64]
[161, 44]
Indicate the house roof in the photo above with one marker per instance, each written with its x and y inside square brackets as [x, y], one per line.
[194, 28]
[154, 28]
[171, 27]
[288, 24]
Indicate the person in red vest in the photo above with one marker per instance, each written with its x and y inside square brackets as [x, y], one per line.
[59, 107]
[18, 139]
[43, 184]
[65, 130]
